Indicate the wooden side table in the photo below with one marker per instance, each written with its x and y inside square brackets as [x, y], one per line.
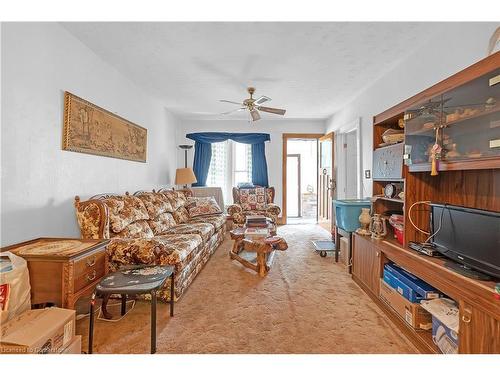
[62, 269]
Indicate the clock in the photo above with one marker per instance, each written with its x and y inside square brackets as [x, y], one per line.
[388, 162]
[390, 190]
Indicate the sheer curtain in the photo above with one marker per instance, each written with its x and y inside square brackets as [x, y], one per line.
[231, 163]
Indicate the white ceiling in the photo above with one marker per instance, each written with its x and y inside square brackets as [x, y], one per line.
[310, 69]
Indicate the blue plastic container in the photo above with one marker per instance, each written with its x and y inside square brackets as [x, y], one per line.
[347, 212]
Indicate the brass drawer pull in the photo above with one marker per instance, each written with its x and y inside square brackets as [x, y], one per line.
[91, 262]
[466, 319]
[92, 277]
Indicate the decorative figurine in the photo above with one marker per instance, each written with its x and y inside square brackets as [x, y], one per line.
[378, 227]
[364, 220]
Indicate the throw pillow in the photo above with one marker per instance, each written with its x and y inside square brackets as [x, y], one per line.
[124, 210]
[199, 206]
[156, 203]
[253, 199]
[181, 215]
[138, 229]
[162, 223]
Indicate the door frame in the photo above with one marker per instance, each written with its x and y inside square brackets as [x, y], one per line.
[354, 125]
[285, 138]
[299, 203]
[330, 135]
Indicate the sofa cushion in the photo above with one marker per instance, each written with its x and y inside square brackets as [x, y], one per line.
[216, 220]
[137, 229]
[177, 198]
[205, 230]
[162, 223]
[181, 215]
[253, 199]
[124, 210]
[155, 203]
[199, 206]
[165, 249]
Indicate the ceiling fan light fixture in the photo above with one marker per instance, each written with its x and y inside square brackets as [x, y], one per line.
[255, 115]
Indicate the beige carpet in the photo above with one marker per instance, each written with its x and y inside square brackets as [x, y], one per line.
[306, 304]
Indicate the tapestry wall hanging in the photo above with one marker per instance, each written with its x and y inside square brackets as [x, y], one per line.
[92, 130]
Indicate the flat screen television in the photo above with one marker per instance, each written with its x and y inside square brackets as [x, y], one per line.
[469, 236]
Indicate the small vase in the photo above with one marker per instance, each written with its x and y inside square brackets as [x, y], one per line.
[378, 227]
[364, 220]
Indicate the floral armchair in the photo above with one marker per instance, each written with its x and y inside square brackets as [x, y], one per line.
[253, 201]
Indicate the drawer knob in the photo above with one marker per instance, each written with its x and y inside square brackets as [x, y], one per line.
[92, 276]
[91, 262]
[466, 319]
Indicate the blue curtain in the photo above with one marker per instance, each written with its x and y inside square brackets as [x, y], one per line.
[201, 163]
[259, 165]
[203, 153]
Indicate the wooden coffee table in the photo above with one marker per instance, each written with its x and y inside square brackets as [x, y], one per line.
[255, 254]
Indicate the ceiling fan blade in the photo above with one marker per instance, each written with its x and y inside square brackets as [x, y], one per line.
[262, 100]
[234, 110]
[229, 101]
[255, 115]
[276, 111]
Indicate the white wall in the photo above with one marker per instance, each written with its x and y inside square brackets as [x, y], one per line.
[455, 47]
[39, 180]
[274, 149]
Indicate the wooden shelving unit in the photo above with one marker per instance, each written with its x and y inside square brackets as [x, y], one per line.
[473, 182]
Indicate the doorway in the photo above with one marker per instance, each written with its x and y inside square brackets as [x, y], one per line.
[349, 178]
[300, 178]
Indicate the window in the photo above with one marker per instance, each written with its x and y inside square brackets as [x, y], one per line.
[231, 164]
[242, 163]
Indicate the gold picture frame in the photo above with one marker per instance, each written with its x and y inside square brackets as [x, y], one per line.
[93, 130]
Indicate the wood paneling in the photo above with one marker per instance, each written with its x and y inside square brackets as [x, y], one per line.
[479, 332]
[366, 261]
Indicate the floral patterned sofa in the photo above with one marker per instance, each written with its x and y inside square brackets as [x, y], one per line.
[253, 201]
[155, 228]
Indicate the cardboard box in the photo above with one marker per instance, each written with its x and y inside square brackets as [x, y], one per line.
[344, 251]
[401, 287]
[423, 289]
[412, 313]
[41, 331]
[74, 347]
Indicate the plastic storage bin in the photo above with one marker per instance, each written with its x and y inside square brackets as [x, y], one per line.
[347, 212]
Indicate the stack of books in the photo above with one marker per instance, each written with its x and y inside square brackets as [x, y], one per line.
[257, 221]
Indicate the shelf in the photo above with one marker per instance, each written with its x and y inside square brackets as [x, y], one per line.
[432, 131]
[390, 145]
[397, 200]
[492, 162]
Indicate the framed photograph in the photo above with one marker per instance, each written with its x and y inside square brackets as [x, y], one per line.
[93, 130]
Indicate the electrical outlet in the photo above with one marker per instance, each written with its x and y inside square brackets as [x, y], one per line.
[367, 173]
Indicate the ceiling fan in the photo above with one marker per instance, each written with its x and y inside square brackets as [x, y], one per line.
[254, 106]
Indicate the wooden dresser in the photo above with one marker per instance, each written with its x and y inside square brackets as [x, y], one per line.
[61, 269]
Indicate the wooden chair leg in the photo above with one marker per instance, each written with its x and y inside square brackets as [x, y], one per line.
[91, 324]
[124, 304]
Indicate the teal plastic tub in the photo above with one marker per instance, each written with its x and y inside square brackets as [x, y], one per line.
[347, 212]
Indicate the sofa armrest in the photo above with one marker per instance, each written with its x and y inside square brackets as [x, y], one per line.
[273, 209]
[93, 218]
[234, 209]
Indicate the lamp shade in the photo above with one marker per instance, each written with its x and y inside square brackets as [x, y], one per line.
[184, 176]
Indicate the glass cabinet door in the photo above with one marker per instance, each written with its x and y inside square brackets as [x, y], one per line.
[467, 119]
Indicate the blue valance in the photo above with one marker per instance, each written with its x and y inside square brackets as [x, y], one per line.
[203, 153]
[214, 137]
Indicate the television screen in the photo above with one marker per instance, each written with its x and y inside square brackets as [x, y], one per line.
[467, 235]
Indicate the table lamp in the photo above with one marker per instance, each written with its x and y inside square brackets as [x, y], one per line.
[184, 176]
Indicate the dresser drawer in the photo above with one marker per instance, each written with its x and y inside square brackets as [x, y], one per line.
[89, 269]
